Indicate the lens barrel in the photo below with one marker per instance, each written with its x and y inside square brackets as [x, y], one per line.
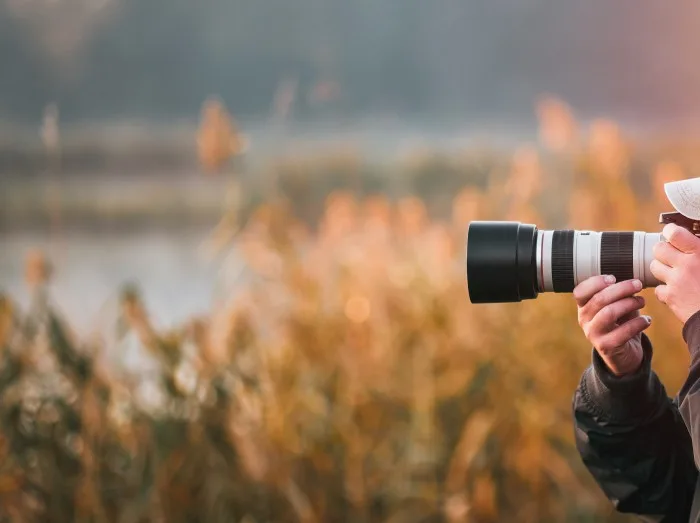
[511, 262]
[501, 262]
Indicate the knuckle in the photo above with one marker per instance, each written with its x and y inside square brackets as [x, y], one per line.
[668, 231]
[674, 277]
[604, 315]
[583, 290]
[584, 312]
[604, 348]
[609, 314]
[587, 331]
[616, 340]
[597, 301]
[634, 303]
[627, 331]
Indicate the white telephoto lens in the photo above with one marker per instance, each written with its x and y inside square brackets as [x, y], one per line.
[565, 258]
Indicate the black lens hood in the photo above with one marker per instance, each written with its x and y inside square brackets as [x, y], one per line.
[501, 262]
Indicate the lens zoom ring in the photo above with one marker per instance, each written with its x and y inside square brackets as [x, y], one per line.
[616, 253]
[563, 261]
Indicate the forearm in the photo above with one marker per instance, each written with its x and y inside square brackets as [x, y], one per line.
[620, 400]
[633, 441]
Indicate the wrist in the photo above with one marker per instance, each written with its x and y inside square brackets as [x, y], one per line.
[691, 335]
[622, 398]
[690, 322]
[625, 364]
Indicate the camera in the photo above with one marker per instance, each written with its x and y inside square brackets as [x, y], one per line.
[512, 261]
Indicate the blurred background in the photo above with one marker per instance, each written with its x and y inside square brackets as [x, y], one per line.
[232, 250]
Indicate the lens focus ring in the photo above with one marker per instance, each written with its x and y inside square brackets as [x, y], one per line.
[563, 261]
[616, 254]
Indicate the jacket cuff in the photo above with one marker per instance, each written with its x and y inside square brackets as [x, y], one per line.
[622, 398]
[691, 335]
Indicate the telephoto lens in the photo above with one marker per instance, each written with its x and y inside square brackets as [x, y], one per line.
[512, 261]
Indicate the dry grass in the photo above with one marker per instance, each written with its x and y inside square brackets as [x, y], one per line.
[351, 381]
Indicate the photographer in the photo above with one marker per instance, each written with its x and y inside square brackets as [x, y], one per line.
[642, 447]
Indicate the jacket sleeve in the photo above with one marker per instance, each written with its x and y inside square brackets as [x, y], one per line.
[689, 395]
[634, 442]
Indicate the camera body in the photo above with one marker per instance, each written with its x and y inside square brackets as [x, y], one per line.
[681, 220]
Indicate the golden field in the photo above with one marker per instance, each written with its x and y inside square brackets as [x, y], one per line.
[351, 380]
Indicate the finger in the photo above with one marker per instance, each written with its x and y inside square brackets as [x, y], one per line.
[585, 290]
[625, 332]
[662, 293]
[682, 239]
[660, 271]
[610, 295]
[667, 254]
[631, 315]
[607, 319]
[628, 317]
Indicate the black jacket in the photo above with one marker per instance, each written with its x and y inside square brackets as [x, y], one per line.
[642, 447]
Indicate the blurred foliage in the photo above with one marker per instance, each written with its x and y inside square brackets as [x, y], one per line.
[351, 379]
[218, 138]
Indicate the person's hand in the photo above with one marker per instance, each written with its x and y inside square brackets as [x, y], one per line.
[608, 313]
[677, 265]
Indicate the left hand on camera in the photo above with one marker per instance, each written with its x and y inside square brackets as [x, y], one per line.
[677, 265]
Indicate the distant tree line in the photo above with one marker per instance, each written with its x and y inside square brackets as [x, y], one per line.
[159, 59]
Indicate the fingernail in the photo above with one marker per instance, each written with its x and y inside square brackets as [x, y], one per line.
[637, 284]
[609, 278]
[647, 318]
[640, 299]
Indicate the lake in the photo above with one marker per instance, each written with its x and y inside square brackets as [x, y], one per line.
[176, 278]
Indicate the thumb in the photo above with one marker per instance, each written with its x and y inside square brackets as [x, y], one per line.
[682, 239]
